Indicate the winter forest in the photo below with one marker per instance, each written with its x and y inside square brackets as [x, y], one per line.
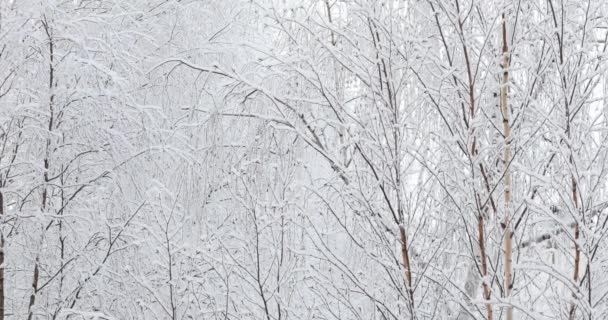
[304, 159]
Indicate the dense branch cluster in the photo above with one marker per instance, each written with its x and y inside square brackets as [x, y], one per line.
[303, 159]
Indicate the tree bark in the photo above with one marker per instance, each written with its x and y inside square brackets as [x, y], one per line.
[474, 153]
[577, 249]
[406, 262]
[46, 161]
[484, 265]
[508, 228]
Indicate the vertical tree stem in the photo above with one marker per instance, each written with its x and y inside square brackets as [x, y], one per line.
[508, 228]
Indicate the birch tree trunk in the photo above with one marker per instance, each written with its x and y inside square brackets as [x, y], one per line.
[508, 228]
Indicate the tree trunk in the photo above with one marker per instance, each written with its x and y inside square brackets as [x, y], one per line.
[484, 265]
[46, 162]
[577, 249]
[406, 263]
[508, 228]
